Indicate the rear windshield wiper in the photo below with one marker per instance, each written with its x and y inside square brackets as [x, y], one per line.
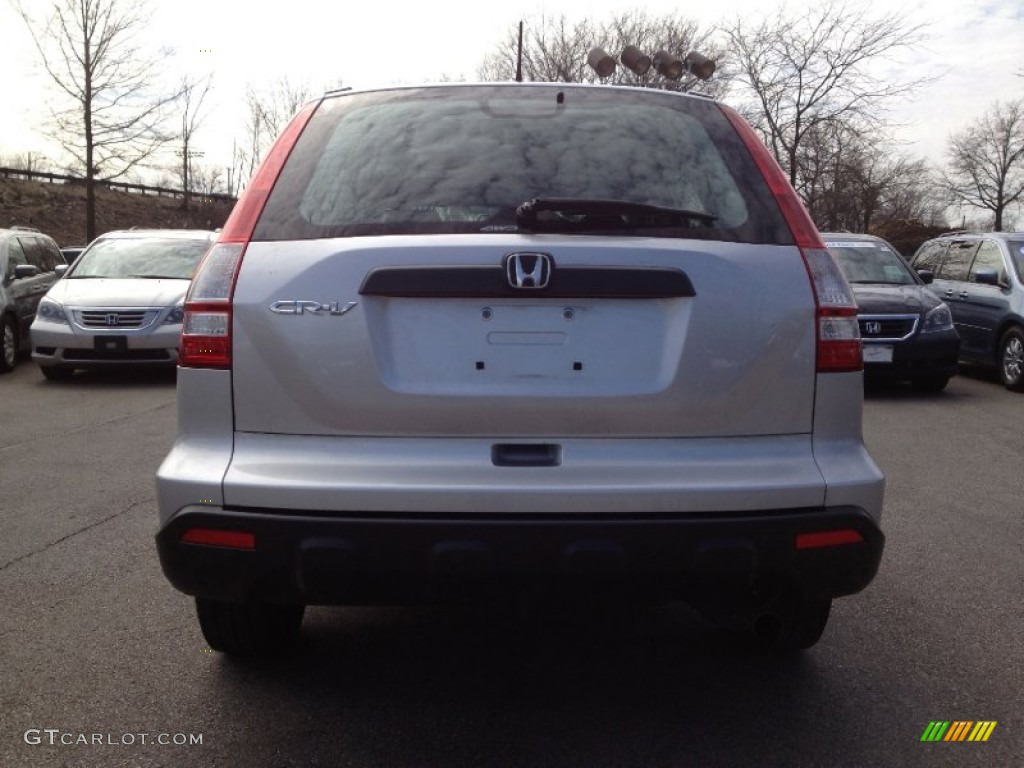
[555, 214]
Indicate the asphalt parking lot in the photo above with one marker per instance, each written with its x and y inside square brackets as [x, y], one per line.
[95, 643]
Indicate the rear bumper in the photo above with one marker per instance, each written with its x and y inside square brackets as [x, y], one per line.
[329, 559]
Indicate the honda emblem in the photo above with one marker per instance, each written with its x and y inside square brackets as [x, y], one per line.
[528, 270]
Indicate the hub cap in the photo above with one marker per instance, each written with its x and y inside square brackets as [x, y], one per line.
[1013, 358]
[10, 346]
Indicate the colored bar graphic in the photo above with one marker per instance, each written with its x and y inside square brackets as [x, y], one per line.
[935, 730]
[958, 730]
[984, 730]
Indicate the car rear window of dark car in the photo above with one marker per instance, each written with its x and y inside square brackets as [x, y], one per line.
[461, 159]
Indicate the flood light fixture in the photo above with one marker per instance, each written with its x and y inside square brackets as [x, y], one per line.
[699, 66]
[635, 60]
[667, 65]
[601, 62]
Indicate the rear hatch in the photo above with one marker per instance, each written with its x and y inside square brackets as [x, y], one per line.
[354, 337]
[522, 261]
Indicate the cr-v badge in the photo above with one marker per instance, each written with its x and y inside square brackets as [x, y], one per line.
[299, 307]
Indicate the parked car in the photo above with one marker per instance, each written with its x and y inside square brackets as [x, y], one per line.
[907, 330]
[119, 303]
[464, 340]
[29, 262]
[981, 277]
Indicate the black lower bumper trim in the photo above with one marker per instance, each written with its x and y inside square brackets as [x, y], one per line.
[351, 560]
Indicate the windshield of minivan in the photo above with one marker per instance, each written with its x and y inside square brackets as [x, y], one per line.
[870, 261]
[150, 258]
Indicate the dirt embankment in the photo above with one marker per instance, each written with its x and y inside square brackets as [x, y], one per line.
[58, 210]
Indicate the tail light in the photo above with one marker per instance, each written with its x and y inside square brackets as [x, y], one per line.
[823, 539]
[216, 537]
[838, 334]
[206, 326]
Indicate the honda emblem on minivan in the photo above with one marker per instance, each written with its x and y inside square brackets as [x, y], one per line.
[528, 270]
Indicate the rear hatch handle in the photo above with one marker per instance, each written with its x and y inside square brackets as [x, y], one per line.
[526, 455]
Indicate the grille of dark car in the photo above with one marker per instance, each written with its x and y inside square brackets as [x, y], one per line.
[889, 327]
[101, 318]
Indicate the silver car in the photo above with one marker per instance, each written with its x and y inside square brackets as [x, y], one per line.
[458, 341]
[122, 302]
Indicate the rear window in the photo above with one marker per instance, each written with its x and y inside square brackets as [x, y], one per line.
[461, 159]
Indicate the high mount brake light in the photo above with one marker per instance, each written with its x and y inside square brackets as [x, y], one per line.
[838, 334]
[206, 326]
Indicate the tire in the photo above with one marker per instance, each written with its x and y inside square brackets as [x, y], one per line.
[931, 383]
[56, 373]
[1011, 359]
[248, 629]
[795, 625]
[11, 345]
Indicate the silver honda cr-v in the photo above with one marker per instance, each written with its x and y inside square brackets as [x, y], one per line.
[464, 340]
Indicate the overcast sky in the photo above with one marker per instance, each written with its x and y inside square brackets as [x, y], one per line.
[975, 49]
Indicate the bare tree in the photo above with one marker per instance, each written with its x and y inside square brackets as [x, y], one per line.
[851, 178]
[555, 50]
[193, 96]
[27, 161]
[822, 172]
[986, 161]
[803, 71]
[269, 112]
[910, 193]
[110, 116]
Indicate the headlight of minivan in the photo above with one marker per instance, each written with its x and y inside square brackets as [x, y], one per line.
[175, 316]
[51, 312]
[938, 319]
